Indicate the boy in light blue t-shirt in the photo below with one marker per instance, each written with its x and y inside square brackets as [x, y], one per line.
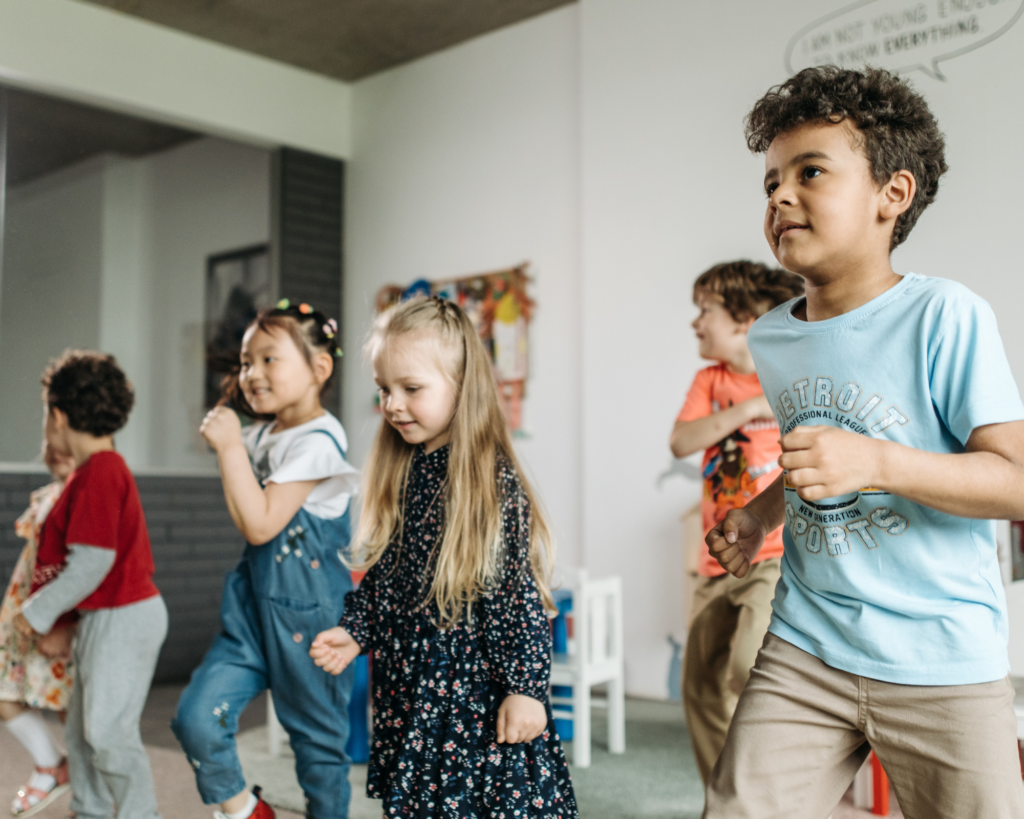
[902, 438]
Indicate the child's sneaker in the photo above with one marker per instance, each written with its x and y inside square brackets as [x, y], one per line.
[44, 786]
[261, 810]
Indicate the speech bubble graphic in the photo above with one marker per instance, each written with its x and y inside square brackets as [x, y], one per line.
[900, 35]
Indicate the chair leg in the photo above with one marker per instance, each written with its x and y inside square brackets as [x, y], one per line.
[581, 724]
[863, 792]
[617, 716]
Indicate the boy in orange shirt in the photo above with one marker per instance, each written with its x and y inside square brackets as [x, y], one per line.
[727, 415]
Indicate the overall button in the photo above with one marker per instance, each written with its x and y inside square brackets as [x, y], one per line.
[297, 637]
[314, 564]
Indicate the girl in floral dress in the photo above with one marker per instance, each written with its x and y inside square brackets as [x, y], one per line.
[35, 674]
[452, 608]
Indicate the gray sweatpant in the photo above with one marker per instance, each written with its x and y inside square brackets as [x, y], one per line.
[115, 657]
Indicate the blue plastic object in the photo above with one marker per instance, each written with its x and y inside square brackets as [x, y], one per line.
[560, 644]
[358, 745]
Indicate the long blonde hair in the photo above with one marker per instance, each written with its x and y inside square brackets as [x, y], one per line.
[469, 559]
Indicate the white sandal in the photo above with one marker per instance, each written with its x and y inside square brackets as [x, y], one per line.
[30, 800]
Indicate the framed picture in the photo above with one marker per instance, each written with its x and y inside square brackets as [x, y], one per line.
[238, 285]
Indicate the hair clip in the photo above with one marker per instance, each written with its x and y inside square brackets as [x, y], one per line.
[327, 330]
[334, 324]
[284, 304]
[338, 353]
[305, 308]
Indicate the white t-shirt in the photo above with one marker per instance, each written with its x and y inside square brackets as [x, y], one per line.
[309, 452]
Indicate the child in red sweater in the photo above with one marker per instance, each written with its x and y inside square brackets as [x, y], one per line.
[95, 558]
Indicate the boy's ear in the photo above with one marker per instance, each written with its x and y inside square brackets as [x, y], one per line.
[897, 194]
[60, 419]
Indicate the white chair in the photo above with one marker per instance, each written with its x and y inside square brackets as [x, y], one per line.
[595, 657]
[871, 787]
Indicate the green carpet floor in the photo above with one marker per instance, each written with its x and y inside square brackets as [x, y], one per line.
[655, 779]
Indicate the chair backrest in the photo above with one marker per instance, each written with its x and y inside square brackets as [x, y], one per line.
[597, 620]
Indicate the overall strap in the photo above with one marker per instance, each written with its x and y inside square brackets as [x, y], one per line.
[322, 432]
[259, 435]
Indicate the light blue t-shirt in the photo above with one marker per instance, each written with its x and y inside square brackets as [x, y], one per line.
[872, 583]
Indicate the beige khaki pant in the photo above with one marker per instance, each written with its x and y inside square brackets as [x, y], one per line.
[802, 729]
[731, 616]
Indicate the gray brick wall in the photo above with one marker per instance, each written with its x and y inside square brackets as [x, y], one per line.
[309, 238]
[194, 544]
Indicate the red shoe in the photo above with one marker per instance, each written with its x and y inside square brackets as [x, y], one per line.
[262, 809]
[30, 800]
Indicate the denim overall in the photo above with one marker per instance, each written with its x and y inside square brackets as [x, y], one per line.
[280, 597]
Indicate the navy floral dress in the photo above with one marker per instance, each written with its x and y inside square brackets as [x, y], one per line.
[436, 693]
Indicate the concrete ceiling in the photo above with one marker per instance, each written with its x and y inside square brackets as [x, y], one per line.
[345, 39]
[45, 134]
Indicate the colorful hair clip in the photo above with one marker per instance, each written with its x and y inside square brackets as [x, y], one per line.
[305, 308]
[328, 331]
[284, 304]
[337, 352]
[334, 324]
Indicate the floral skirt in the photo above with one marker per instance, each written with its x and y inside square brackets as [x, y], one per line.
[26, 676]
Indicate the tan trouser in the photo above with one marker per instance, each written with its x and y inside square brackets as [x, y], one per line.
[731, 617]
[802, 729]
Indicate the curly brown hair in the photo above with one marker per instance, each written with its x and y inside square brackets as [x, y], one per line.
[898, 131]
[748, 289]
[90, 389]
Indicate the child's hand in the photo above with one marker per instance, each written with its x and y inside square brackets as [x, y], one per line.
[736, 541]
[221, 428]
[759, 407]
[57, 643]
[521, 719]
[23, 626]
[334, 649]
[825, 462]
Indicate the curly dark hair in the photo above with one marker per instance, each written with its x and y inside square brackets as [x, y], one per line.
[898, 131]
[748, 289]
[312, 331]
[90, 389]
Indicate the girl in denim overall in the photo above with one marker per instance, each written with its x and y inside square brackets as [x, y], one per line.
[287, 486]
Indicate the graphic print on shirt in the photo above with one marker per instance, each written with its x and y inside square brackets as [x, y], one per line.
[856, 519]
[824, 403]
[729, 479]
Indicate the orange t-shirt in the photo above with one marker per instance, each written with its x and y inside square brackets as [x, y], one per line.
[739, 466]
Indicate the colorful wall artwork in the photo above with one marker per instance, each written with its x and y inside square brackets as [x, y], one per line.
[498, 305]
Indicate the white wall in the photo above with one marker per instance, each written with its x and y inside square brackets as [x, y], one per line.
[620, 124]
[53, 257]
[668, 189]
[126, 293]
[208, 197]
[92, 54]
[111, 255]
[464, 162]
